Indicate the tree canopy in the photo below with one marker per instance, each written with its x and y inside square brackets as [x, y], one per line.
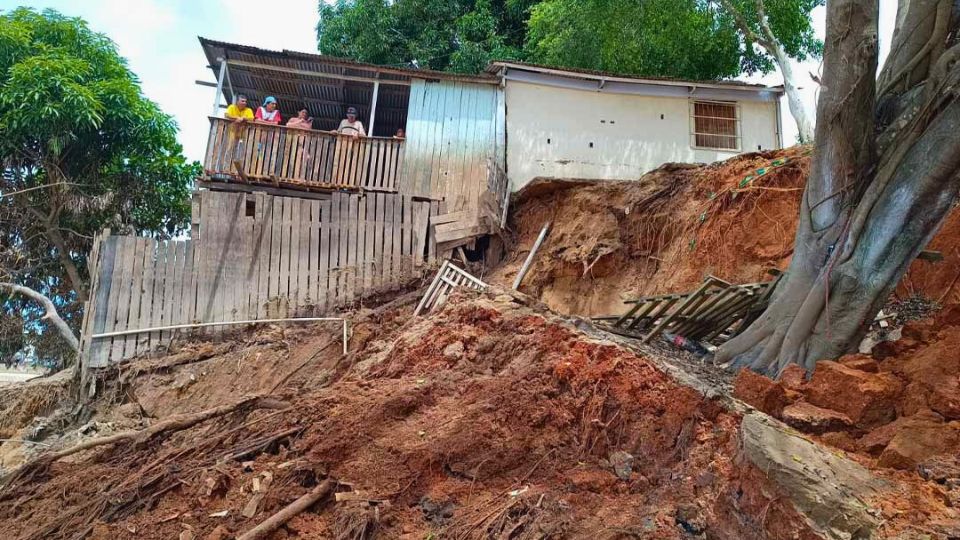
[454, 35]
[694, 39]
[82, 149]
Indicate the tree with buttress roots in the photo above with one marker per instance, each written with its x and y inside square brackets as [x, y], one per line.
[883, 177]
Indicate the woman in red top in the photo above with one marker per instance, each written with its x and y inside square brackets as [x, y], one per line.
[268, 113]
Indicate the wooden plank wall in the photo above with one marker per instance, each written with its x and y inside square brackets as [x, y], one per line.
[453, 128]
[254, 256]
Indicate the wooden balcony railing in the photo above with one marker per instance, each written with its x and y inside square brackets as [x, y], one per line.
[278, 154]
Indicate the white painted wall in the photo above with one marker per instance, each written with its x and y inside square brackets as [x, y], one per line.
[628, 135]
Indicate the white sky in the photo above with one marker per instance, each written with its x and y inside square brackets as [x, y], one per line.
[159, 39]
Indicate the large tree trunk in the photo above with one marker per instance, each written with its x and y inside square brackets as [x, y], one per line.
[881, 182]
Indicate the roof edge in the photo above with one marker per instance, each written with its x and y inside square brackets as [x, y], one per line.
[346, 62]
[497, 65]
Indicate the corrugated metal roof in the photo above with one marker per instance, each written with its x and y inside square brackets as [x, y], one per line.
[331, 64]
[299, 83]
[496, 66]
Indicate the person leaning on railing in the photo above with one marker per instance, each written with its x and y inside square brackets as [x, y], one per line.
[268, 112]
[239, 112]
[350, 125]
[301, 121]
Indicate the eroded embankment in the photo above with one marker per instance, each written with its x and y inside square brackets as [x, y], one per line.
[490, 418]
[612, 241]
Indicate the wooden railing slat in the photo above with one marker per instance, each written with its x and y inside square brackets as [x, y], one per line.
[265, 152]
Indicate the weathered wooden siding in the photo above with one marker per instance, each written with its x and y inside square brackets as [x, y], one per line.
[253, 256]
[453, 129]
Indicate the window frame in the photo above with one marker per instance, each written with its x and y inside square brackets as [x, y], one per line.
[738, 136]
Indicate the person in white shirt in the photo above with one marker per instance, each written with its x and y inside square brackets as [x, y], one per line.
[350, 125]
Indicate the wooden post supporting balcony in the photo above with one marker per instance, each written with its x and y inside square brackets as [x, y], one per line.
[281, 155]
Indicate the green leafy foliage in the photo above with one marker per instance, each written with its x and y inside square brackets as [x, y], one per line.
[692, 39]
[667, 38]
[82, 149]
[453, 35]
[789, 20]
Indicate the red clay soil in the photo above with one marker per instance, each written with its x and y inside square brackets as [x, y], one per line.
[486, 420]
[897, 408]
[613, 241]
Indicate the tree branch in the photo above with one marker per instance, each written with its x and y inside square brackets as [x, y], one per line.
[742, 24]
[51, 312]
[15, 193]
[764, 25]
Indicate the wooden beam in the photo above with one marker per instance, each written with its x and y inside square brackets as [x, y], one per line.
[316, 74]
[216, 97]
[254, 187]
[373, 106]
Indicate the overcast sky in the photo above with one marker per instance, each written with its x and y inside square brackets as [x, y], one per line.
[159, 39]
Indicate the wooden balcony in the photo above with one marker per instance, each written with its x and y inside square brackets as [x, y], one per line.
[251, 152]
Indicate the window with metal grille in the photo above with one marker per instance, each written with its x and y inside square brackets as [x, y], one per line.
[716, 125]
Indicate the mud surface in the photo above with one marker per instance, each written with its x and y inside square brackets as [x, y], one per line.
[496, 417]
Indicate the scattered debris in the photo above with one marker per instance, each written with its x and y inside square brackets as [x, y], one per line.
[716, 310]
[622, 463]
[448, 278]
[533, 253]
[277, 520]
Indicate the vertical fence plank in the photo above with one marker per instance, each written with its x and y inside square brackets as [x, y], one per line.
[406, 228]
[293, 255]
[146, 295]
[369, 204]
[314, 255]
[323, 275]
[134, 290]
[283, 294]
[388, 228]
[202, 258]
[105, 301]
[163, 263]
[179, 283]
[273, 270]
[353, 202]
[303, 254]
[174, 262]
[264, 218]
[187, 283]
[379, 256]
[396, 271]
[360, 259]
[334, 268]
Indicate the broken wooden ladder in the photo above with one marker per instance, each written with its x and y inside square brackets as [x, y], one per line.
[448, 278]
[702, 315]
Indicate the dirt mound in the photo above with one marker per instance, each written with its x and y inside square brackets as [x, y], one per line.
[897, 408]
[735, 219]
[611, 241]
[489, 418]
[24, 410]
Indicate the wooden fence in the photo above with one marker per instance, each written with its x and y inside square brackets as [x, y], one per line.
[253, 256]
[278, 154]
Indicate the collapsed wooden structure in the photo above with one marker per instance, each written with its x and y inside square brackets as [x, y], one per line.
[714, 312]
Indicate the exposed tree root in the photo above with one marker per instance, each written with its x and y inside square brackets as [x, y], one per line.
[274, 522]
[138, 437]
